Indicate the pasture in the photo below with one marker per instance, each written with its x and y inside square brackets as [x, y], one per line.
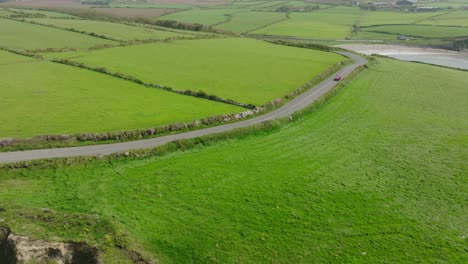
[115, 31]
[201, 16]
[332, 23]
[40, 97]
[23, 35]
[421, 30]
[244, 70]
[378, 174]
[249, 21]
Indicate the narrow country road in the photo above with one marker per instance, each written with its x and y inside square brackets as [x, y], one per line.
[295, 105]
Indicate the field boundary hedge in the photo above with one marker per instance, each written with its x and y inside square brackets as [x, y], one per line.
[187, 144]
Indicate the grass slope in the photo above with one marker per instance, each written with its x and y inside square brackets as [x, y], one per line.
[245, 70]
[113, 30]
[47, 98]
[378, 175]
[24, 35]
[201, 16]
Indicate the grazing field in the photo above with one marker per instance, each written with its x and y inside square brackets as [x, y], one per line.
[244, 70]
[248, 21]
[40, 12]
[386, 17]
[377, 175]
[112, 30]
[332, 23]
[23, 35]
[41, 97]
[421, 31]
[201, 16]
[458, 18]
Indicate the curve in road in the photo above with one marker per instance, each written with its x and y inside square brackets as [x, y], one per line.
[286, 110]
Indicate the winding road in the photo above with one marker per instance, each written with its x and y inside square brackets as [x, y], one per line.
[288, 109]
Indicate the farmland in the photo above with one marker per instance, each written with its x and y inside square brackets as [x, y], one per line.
[68, 100]
[108, 29]
[422, 31]
[22, 35]
[251, 71]
[378, 174]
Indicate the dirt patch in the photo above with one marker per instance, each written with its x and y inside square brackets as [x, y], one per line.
[20, 249]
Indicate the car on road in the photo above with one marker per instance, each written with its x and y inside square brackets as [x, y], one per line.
[337, 78]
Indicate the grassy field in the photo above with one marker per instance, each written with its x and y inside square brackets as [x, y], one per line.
[41, 12]
[333, 23]
[458, 18]
[248, 21]
[244, 70]
[421, 31]
[40, 97]
[378, 175]
[201, 16]
[23, 35]
[113, 30]
[386, 17]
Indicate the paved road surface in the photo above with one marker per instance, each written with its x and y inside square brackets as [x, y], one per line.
[295, 105]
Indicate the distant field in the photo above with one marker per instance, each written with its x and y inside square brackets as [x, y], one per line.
[41, 97]
[333, 23]
[458, 18]
[113, 30]
[41, 12]
[377, 175]
[203, 16]
[23, 35]
[245, 70]
[151, 5]
[421, 31]
[247, 21]
[387, 17]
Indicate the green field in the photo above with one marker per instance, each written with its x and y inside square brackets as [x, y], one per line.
[112, 30]
[41, 97]
[204, 16]
[150, 5]
[244, 70]
[333, 23]
[458, 18]
[378, 175]
[23, 35]
[248, 21]
[41, 12]
[421, 31]
[386, 17]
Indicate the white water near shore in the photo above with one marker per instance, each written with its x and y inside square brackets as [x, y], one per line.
[427, 55]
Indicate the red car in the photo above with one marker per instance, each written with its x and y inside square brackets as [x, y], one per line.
[337, 78]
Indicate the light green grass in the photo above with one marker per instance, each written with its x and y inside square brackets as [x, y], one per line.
[151, 5]
[422, 31]
[113, 30]
[387, 17]
[333, 23]
[378, 175]
[244, 70]
[46, 98]
[41, 12]
[23, 35]
[204, 16]
[458, 18]
[248, 21]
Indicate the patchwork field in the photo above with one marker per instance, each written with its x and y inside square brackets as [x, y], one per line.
[201, 16]
[333, 23]
[23, 35]
[386, 17]
[248, 21]
[40, 97]
[422, 31]
[376, 175]
[113, 30]
[244, 70]
[457, 18]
